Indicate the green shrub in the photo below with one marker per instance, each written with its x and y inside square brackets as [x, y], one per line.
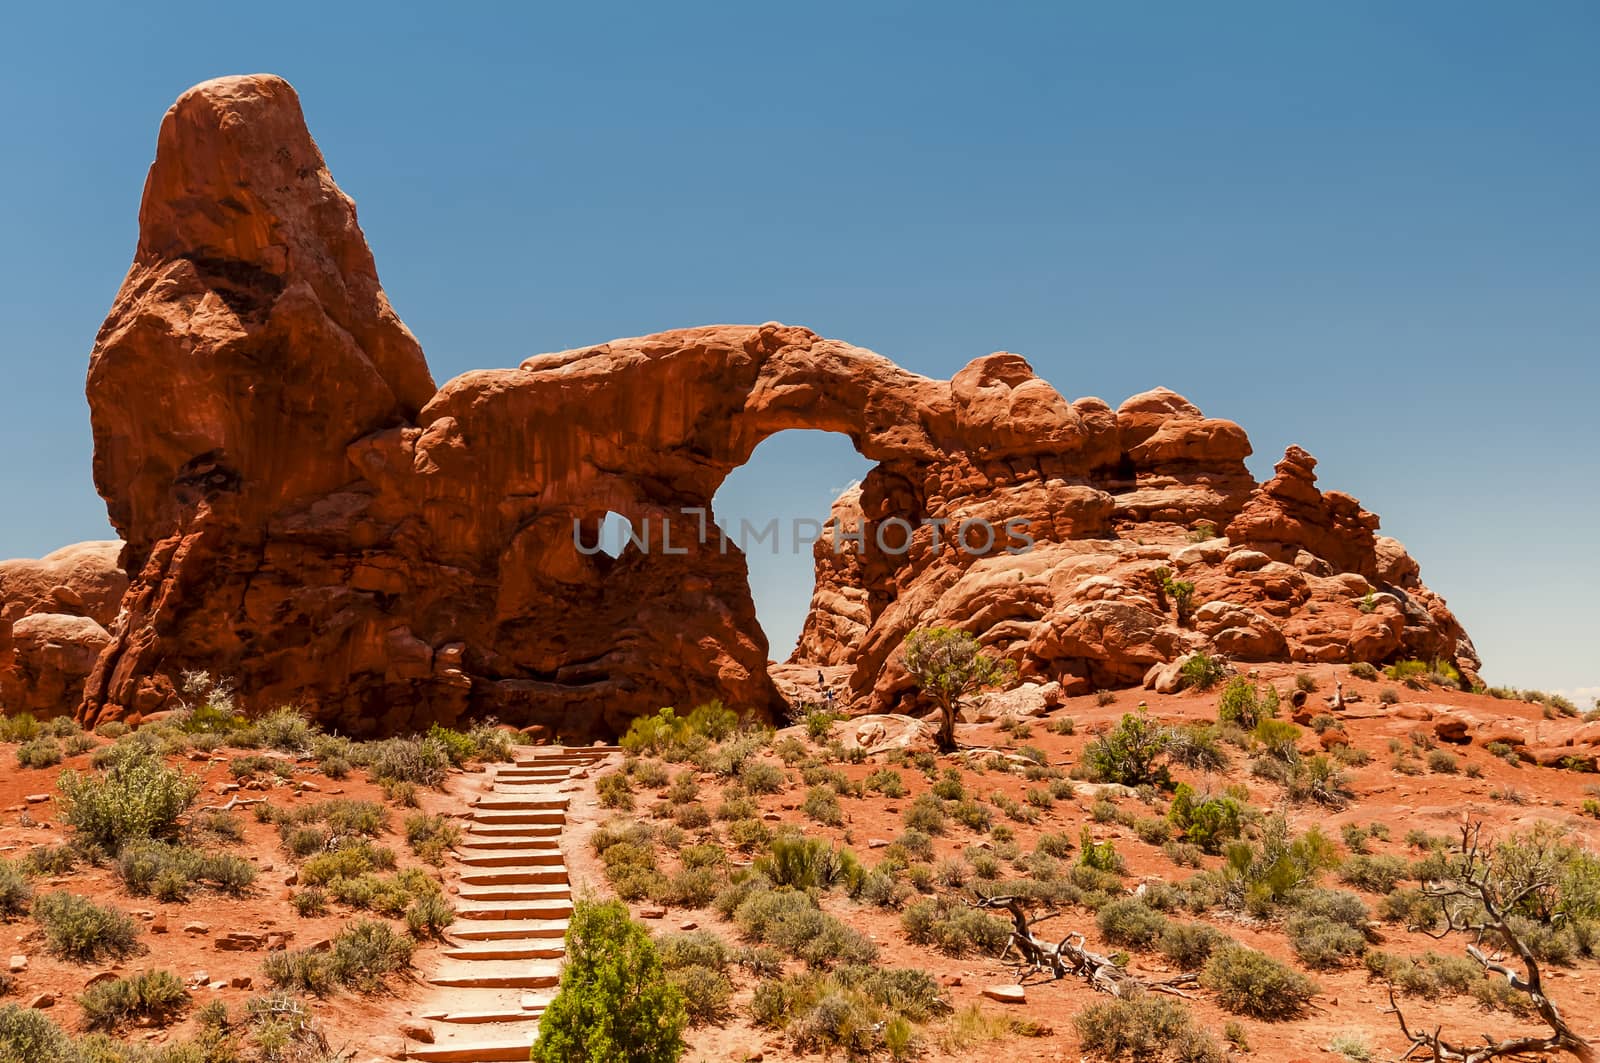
[1240, 704]
[1201, 671]
[156, 997]
[1130, 753]
[615, 790]
[1444, 762]
[1364, 670]
[1144, 1026]
[1277, 737]
[791, 921]
[303, 970]
[168, 871]
[761, 777]
[50, 859]
[77, 929]
[1197, 746]
[139, 797]
[613, 1005]
[1208, 821]
[1252, 983]
[1100, 856]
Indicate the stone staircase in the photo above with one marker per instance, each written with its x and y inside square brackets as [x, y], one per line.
[500, 971]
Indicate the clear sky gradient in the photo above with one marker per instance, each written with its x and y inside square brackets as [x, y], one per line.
[1370, 228]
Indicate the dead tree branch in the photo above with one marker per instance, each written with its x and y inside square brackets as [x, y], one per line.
[1473, 903]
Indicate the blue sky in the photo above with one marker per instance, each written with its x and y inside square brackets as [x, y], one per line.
[1369, 228]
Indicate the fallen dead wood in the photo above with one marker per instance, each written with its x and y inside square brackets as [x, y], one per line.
[1070, 956]
[233, 803]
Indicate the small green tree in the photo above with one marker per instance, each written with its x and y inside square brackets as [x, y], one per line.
[1132, 753]
[615, 1004]
[948, 665]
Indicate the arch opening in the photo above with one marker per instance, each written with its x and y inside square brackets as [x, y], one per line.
[773, 507]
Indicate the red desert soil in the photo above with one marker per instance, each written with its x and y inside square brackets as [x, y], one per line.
[187, 943]
[1349, 1001]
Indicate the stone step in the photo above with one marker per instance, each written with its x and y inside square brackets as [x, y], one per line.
[496, 974]
[506, 856]
[520, 802]
[517, 831]
[524, 949]
[560, 908]
[528, 891]
[514, 841]
[502, 817]
[511, 1044]
[515, 876]
[507, 930]
[560, 762]
[513, 788]
[489, 1015]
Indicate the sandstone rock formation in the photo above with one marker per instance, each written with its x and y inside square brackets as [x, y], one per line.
[54, 616]
[303, 511]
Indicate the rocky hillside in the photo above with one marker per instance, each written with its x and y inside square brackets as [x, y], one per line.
[304, 509]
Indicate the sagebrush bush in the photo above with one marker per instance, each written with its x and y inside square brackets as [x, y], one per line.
[790, 920]
[156, 997]
[1252, 983]
[77, 929]
[953, 928]
[429, 915]
[614, 1002]
[1374, 873]
[417, 761]
[28, 1036]
[1189, 945]
[807, 863]
[39, 753]
[15, 890]
[1129, 921]
[431, 837]
[18, 727]
[822, 805]
[169, 872]
[367, 951]
[1320, 942]
[1145, 1026]
[138, 797]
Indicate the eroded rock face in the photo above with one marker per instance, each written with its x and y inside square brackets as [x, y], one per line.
[54, 615]
[305, 512]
